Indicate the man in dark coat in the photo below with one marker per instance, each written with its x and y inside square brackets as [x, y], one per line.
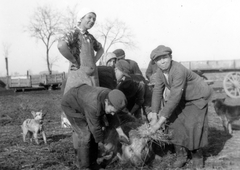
[133, 90]
[151, 70]
[134, 68]
[186, 108]
[85, 107]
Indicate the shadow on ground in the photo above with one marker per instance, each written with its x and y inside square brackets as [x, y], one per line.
[217, 139]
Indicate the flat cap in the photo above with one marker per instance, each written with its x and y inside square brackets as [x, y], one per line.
[123, 66]
[119, 53]
[159, 51]
[117, 99]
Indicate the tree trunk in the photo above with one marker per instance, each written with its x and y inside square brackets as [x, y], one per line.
[48, 63]
[7, 85]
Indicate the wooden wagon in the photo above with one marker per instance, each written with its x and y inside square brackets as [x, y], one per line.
[52, 81]
[231, 81]
[34, 81]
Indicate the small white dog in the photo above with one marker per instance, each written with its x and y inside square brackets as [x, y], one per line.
[34, 127]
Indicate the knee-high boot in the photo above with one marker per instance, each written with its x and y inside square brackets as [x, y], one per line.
[76, 145]
[84, 155]
[197, 157]
[181, 157]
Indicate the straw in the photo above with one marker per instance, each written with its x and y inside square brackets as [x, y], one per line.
[159, 136]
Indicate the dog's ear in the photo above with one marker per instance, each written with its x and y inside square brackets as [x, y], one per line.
[222, 99]
[33, 113]
[44, 114]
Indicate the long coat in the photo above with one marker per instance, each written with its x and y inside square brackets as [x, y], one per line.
[187, 105]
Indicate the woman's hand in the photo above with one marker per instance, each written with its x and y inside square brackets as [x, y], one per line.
[154, 128]
[152, 117]
[157, 125]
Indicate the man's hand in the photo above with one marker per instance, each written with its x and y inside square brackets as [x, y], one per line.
[122, 137]
[152, 117]
[124, 140]
[108, 146]
[75, 66]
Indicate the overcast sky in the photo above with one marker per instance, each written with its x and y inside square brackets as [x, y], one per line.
[194, 29]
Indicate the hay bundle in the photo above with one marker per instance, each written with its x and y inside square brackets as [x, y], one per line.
[159, 136]
[139, 152]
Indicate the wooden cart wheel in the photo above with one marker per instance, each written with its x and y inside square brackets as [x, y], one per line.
[231, 84]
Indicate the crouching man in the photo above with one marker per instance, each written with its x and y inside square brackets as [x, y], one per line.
[85, 107]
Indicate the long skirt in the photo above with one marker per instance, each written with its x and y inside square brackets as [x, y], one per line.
[189, 126]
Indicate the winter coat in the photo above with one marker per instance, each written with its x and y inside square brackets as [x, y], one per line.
[183, 85]
[87, 102]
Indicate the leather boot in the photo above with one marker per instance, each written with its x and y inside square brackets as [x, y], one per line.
[84, 155]
[77, 161]
[197, 158]
[181, 157]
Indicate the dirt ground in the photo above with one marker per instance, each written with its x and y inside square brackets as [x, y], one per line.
[223, 151]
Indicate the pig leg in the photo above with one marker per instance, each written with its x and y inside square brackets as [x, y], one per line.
[122, 137]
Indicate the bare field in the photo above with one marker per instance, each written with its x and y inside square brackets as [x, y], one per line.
[223, 151]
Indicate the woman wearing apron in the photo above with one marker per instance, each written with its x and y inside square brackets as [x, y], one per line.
[78, 47]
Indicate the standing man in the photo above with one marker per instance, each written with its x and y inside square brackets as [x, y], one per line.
[85, 107]
[186, 109]
[134, 68]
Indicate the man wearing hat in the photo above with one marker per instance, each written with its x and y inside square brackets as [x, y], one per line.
[85, 107]
[185, 110]
[134, 68]
[133, 88]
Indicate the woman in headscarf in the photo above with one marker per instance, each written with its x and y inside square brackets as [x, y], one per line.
[79, 47]
[111, 59]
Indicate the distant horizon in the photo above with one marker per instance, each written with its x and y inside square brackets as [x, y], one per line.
[226, 63]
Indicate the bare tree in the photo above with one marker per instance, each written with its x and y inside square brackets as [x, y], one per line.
[45, 25]
[6, 47]
[114, 32]
[70, 19]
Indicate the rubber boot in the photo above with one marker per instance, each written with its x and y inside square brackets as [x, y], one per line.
[181, 157]
[197, 158]
[77, 161]
[84, 155]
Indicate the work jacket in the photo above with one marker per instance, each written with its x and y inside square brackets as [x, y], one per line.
[87, 102]
[183, 84]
